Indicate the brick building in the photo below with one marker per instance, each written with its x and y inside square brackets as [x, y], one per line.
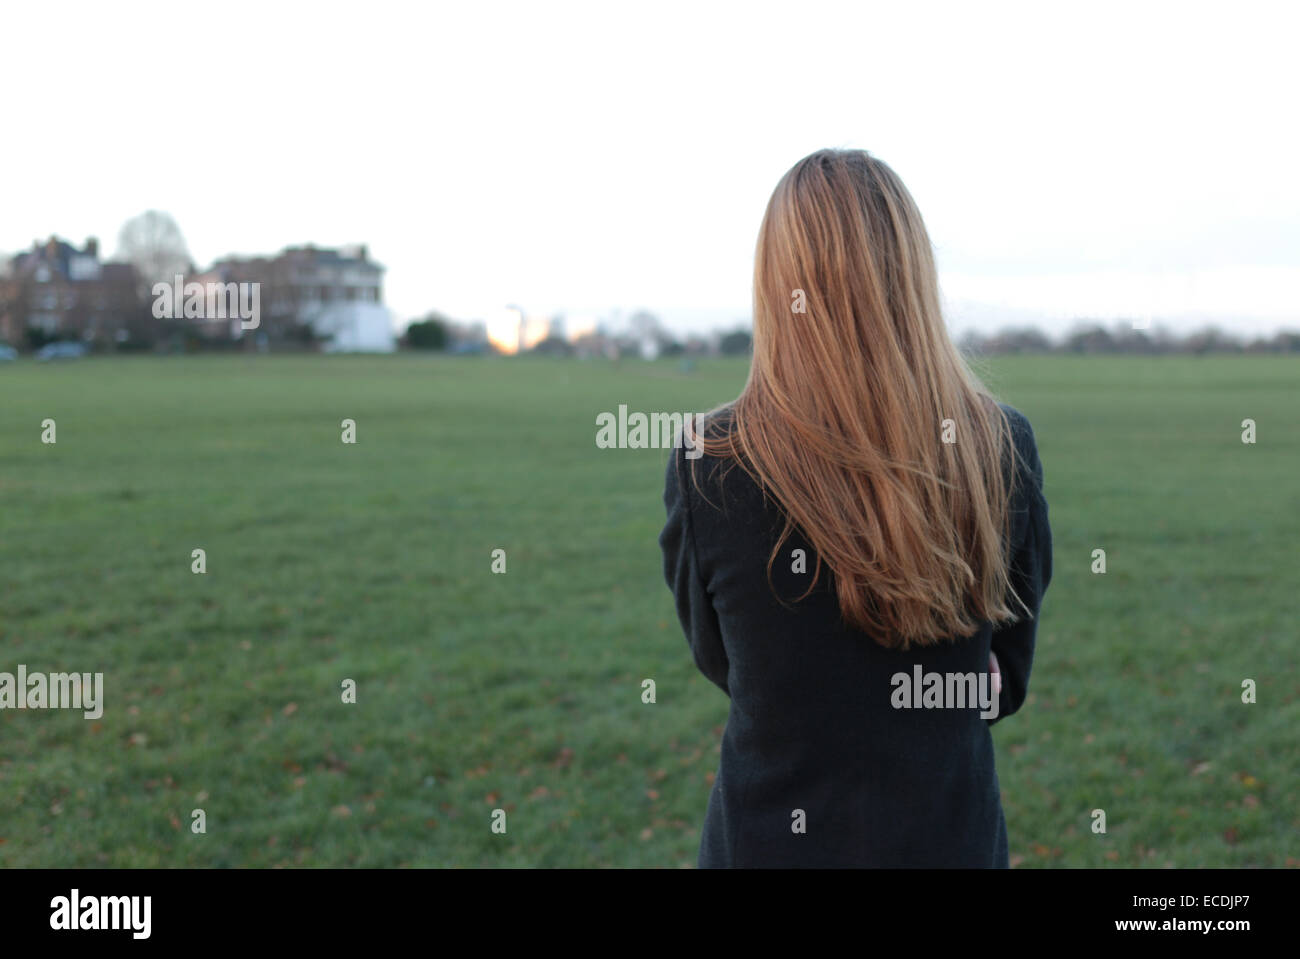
[67, 293]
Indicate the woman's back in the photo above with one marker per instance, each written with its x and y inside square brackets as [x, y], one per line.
[839, 750]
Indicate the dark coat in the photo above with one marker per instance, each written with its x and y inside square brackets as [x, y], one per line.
[813, 726]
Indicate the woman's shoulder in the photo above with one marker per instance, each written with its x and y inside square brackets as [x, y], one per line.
[718, 422]
[1022, 434]
[704, 436]
[705, 458]
[1026, 476]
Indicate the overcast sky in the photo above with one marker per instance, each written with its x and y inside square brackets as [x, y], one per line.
[1094, 160]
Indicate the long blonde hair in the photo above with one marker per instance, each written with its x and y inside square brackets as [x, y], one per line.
[862, 419]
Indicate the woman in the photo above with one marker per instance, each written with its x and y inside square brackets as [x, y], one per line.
[857, 545]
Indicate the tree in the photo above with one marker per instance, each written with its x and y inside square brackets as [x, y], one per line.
[429, 333]
[736, 343]
[645, 325]
[1089, 337]
[1211, 339]
[1287, 342]
[646, 334]
[153, 243]
[553, 346]
[1018, 340]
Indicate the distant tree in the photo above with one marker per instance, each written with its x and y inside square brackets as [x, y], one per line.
[649, 337]
[1211, 340]
[1018, 340]
[1287, 342]
[429, 333]
[1128, 339]
[1089, 338]
[736, 343]
[553, 346]
[645, 325]
[1092, 337]
[154, 244]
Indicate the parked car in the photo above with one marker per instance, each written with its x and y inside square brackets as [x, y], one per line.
[7, 353]
[60, 351]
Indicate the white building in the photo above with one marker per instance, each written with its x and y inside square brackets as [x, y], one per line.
[355, 326]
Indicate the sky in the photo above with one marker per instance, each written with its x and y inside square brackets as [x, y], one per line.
[1102, 161]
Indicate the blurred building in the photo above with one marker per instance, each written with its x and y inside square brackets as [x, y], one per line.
[335, 295]
[67, 293]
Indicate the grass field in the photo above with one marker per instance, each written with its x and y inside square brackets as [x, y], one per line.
[522, 691]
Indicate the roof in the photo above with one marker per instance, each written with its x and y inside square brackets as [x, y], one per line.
[57, 255]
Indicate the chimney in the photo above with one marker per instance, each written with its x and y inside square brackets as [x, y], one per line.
[92, 247]
[361, 252]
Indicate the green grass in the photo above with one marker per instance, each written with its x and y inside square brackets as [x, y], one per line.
[522, 691]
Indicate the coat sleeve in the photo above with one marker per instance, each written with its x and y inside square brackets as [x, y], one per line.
[684, 577]
[1031, 570]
